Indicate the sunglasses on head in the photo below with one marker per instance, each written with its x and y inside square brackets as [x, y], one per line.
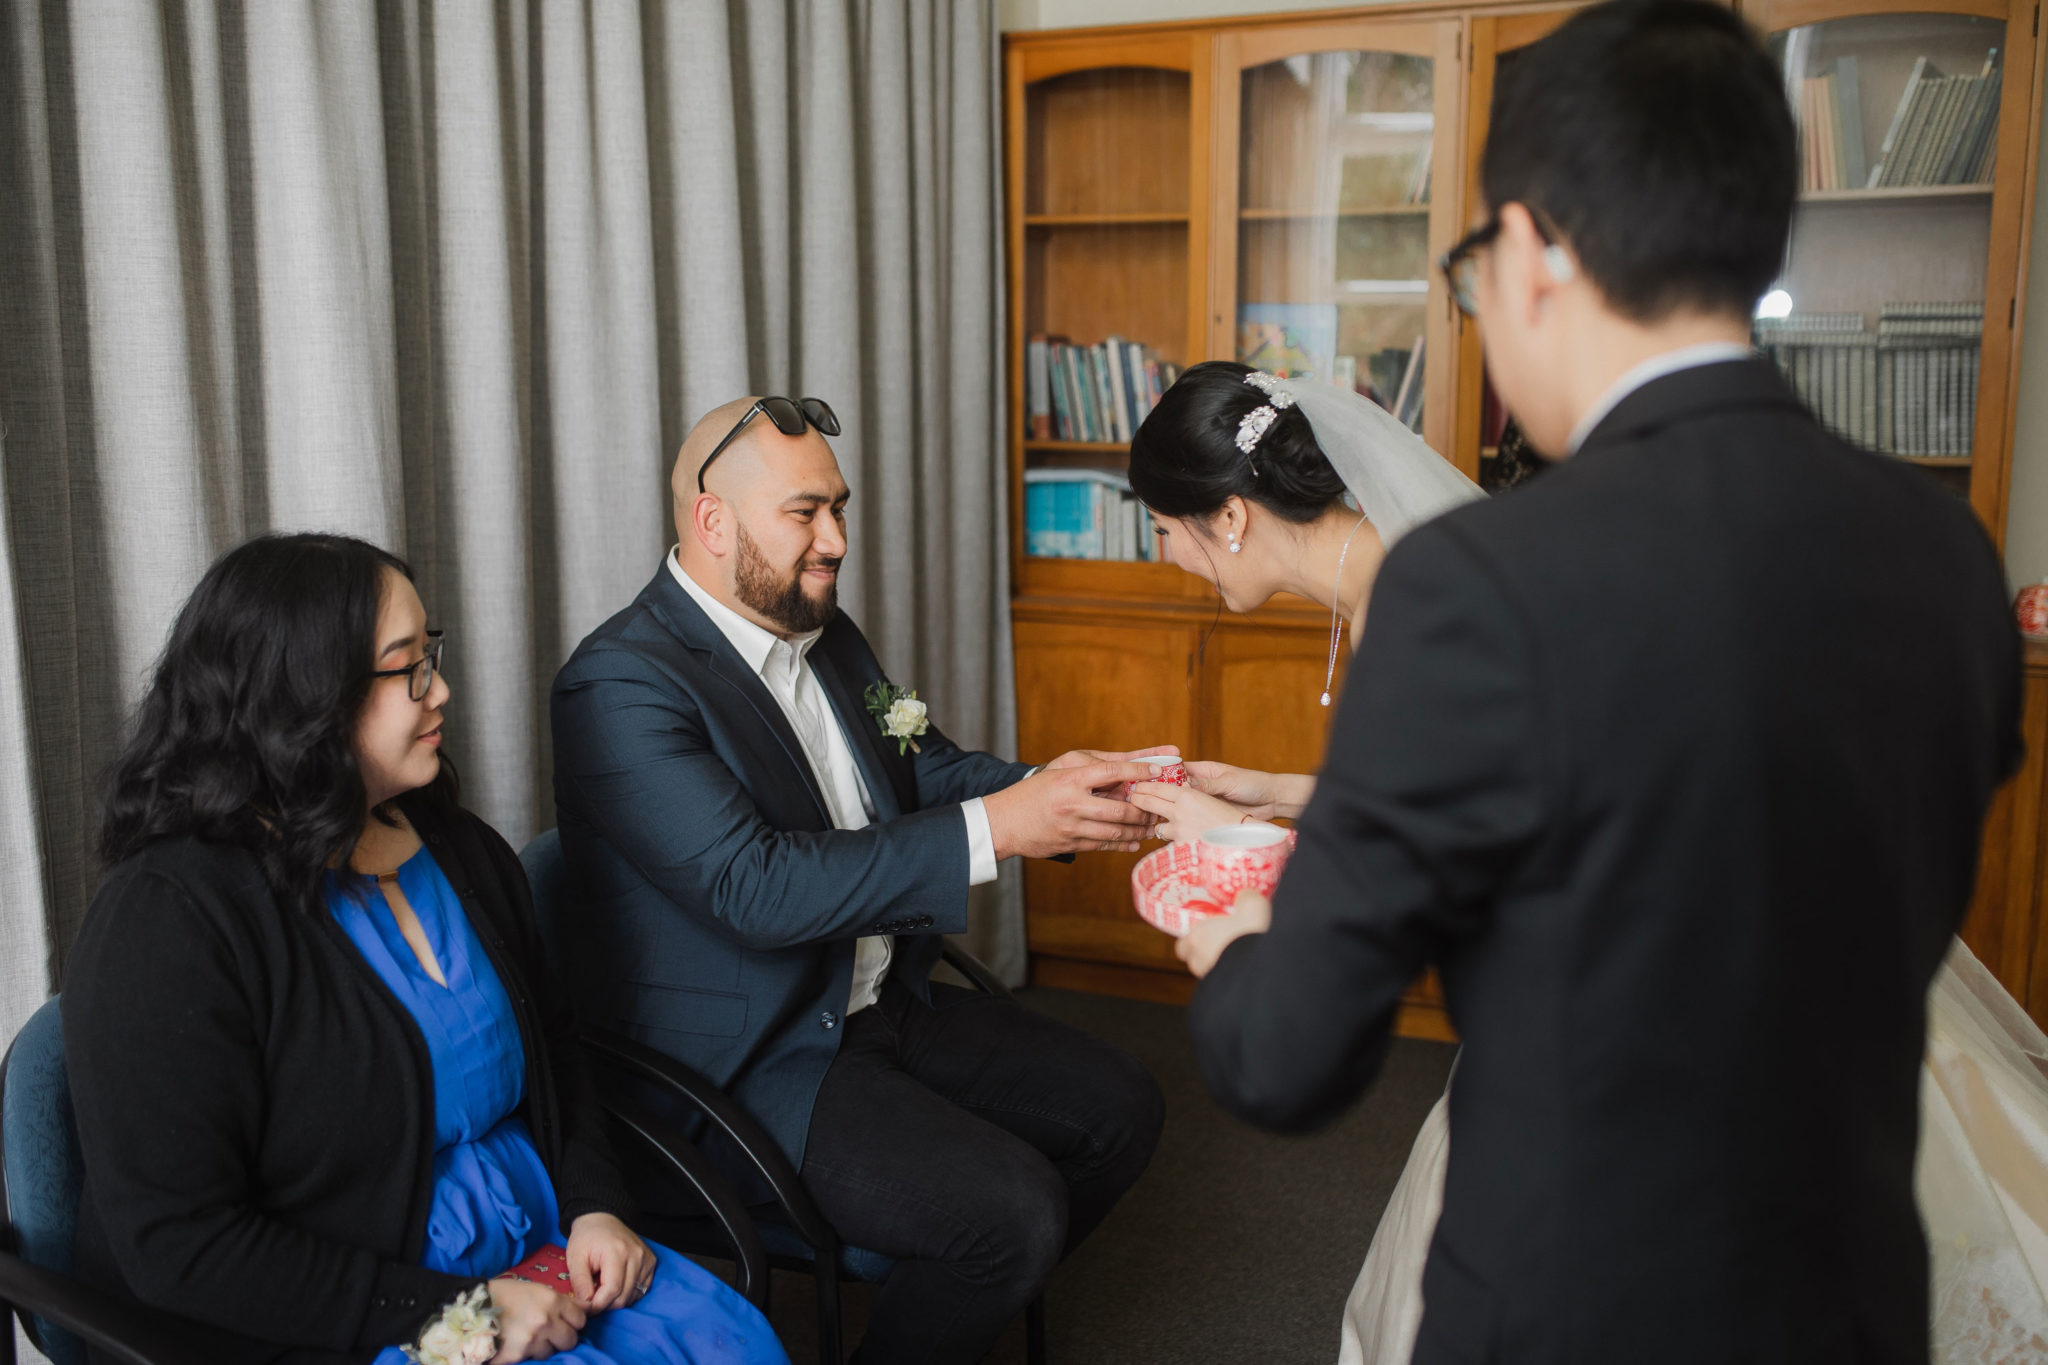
[790, 415]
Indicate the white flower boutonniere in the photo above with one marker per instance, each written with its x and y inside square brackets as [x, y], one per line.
[466, 1333]
[900, 714]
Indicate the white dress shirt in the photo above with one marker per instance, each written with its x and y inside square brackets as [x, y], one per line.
[1656, 367]
[784, 666]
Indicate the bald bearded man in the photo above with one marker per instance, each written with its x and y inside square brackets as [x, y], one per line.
[760, 878]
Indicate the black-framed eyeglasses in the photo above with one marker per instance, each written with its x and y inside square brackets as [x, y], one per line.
[1461, 270]
[790, 415]
[420, 675]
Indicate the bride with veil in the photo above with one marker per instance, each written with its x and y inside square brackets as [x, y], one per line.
[1260, 485]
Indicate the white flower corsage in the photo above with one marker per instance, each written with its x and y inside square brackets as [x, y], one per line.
[466, 1333]
[900, 714]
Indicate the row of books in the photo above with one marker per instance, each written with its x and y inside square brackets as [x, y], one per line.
[1085, 514]
[1831, 130]
[1091, 393]
[1944, 130]
[1908, 388]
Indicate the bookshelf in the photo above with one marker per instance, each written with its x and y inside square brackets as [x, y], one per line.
[1278, 190]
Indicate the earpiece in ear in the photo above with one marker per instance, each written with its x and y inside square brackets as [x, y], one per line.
[1559, 262]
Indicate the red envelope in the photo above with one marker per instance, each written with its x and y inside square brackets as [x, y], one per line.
[548, 1266]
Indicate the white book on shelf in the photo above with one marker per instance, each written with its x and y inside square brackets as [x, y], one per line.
[1119, 405]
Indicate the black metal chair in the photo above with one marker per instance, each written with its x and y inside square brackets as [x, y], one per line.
[42, 1171]
[796, 1235]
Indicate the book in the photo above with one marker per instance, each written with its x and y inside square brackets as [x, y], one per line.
[1119, 403]
[1105, 394]
[1934, 153]
[1881, 172]
[1809, 138]
[1292, 340]
[1070, 371]
[1975, 162]
[1824, 115]
[1064, 513]
[1408, 405]
[1849, 119]
[1955, 138]
[1933, 89]
[1037, 388]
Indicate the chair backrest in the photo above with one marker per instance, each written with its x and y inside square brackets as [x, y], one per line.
[548, 878]
[41, 1170]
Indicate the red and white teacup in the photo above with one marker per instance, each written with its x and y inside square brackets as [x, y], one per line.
[1241, 857]
[2030, 611]
[1166, 768]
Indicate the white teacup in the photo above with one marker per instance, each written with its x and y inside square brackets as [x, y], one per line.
[1241, 857]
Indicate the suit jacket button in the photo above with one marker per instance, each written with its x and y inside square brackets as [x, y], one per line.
[925, 923]
[829, 1019]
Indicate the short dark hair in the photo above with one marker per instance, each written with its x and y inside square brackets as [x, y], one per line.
[1185, 461]
[247, 733]
[1655, 136]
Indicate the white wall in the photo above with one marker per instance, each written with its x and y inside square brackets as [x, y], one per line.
[2026, 544]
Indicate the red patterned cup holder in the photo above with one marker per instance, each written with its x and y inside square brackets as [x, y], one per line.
[1167, 887]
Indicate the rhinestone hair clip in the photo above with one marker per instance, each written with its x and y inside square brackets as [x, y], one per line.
[1260, 418]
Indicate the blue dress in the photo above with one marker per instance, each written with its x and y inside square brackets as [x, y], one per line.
[494, 1204]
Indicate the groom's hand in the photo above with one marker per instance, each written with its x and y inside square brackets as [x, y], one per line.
[1081, 758]
[1056, 810]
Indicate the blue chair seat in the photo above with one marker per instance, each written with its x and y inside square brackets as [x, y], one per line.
[41, 1170]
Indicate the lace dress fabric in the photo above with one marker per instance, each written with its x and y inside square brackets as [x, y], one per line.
[1980, 1178]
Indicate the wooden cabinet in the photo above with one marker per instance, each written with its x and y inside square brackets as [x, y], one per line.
[1279, 192]
[1896, 314]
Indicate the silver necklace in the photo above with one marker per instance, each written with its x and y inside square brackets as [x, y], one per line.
[1331, 673]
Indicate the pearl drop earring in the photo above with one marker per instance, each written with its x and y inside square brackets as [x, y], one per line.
[1234, 546]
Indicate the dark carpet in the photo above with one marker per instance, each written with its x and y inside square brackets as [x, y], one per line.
[1237, 1246]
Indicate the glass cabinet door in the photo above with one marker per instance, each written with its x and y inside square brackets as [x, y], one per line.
[1879, 318]
[1340, 212]
[1485, 443]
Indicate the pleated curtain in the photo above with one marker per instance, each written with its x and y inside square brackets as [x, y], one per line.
[457, 278]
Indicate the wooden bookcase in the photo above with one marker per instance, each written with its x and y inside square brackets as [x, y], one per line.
[1174, 184]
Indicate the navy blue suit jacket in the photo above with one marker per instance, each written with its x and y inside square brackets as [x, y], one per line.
[713, 907]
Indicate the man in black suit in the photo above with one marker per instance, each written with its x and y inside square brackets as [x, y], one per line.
[1672, 761]
[761, 874]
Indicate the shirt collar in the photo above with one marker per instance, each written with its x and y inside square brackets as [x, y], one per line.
[755, 643]
[1656, 367]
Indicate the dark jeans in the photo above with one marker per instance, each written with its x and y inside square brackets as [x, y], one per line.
[977, 1143]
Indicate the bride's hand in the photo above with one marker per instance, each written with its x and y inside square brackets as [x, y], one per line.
[1249, 790]
[1203, 944]
[1183, 812]
[1263, 796]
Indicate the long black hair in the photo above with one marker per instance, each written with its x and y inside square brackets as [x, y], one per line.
[247, 733]
[1185, 461]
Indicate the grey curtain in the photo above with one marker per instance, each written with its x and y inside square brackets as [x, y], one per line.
[457, 277]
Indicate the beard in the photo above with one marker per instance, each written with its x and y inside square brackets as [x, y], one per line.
[781, 597]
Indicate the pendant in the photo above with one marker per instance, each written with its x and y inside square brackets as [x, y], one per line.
[1326, 698]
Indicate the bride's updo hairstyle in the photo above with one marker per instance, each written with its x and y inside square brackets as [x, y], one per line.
[1185, 460]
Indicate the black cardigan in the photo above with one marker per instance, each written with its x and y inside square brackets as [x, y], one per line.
[255, 1106]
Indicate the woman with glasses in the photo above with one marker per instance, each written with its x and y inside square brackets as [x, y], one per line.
[326, 1091]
